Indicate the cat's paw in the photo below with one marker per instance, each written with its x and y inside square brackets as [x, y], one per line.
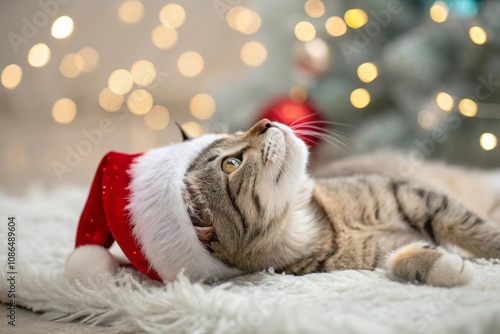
[450, 270]
[424, 262]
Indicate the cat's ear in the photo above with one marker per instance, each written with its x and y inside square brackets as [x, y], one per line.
[185, 137]
[205, 234]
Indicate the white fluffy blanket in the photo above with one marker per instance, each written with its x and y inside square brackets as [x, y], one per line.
[344, 302]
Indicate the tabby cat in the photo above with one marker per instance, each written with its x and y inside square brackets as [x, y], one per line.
[255, 206]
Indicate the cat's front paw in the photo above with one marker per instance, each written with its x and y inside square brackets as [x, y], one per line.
[424, 262]
[450, 270]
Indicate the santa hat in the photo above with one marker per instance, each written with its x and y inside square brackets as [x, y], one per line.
[136, 200]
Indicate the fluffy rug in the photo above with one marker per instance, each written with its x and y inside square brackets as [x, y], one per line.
[346, 302]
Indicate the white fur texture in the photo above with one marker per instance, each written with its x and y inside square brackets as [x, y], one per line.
[160, 218]
[87, 262]
[450, 270]
[348, 301]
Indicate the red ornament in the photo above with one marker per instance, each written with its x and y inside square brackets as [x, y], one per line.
[302, 117]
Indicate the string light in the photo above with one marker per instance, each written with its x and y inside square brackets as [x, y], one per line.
[192, 129]
[131, 11]
[467, 107]
[253, 54]
[90, 59]
[488, 141]
[305, 31]
[64, 111]
[231, 16]
[335, 26]
[439, 12]
[172, 15]
[143, 72]
[355, 18]
[202, 106]
[110, 101]
[157, 118]
[164, 37]
[298, 94]
[62, 27]
[140, 101]
[39, 55]
[478, 35]
[314, 8]
[445, 101]
[11, 76]
[367, 72]
[426, 119]
[120, 82]
[70, 65]
[247, 21]
[360, 98]
[190, 64]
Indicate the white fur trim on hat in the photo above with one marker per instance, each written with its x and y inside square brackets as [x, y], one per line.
[160, 218]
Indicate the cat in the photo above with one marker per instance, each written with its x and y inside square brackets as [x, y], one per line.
[261, 209]
[222, 205]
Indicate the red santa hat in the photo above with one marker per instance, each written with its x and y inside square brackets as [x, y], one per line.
[136, 200]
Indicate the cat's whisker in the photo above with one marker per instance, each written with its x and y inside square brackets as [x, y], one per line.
[335, 133]
[343, 141]
[302, 118]
[327, 122]
[324, 137]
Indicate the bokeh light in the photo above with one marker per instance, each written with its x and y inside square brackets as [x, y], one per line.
[120, 82]
[439, 12]
[193, 129]
[131, 11]
[298, 94]
[157, 118]
[488, 141]
[143, 72]
[247, 21]
[355, 18]
[140, 101]
[335, 26]
[478, 35]
[64, 111]
[314, 8]
[190, 64]
[426, 119]
[367, 72]
[467, 107]
[39, 55]
[305, 31]
[360, 98]
[253, 54]
[70, 65]
[62, 27]
[164, 37]
[90, 58]
[172, 15]
[11, 76]
[202, 106]
[445, 101]
[110, 101]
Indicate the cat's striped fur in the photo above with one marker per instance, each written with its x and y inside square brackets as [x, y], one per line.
[270, 212]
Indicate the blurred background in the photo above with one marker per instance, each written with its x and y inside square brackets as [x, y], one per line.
[80, 78]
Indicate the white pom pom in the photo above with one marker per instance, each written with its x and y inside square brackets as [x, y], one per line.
[89, 261]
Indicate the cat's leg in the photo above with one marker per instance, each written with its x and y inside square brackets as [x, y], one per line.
[425, 262]
[446, 221]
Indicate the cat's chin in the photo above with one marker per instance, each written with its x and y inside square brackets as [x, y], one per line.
[296, 149]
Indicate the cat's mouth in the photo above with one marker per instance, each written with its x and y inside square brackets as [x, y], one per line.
[199, 215]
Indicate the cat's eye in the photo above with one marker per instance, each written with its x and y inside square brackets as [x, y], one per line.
[229, 165]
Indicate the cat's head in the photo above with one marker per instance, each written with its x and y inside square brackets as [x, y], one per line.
[214, 205]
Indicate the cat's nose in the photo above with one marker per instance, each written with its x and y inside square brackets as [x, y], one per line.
[261, 126]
